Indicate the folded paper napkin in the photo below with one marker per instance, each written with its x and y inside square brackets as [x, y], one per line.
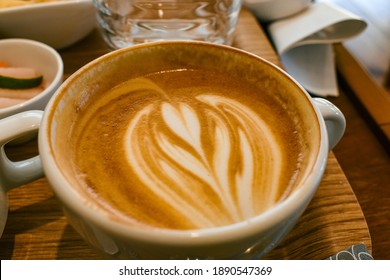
[355, 252]
[304, 43]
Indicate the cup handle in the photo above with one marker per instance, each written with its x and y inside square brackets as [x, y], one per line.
[334, 120]
[12, 173]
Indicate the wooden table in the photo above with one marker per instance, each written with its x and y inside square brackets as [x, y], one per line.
[37, 229]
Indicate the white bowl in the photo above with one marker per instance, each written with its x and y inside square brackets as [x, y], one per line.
[270, 10]
[33, 54]
[58, 24]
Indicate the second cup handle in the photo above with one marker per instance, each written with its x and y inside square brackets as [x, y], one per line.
[334, 120]
[16, 173]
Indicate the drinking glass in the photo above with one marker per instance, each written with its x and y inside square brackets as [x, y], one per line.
[127, 22]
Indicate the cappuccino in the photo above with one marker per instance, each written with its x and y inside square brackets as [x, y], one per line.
[186, 149]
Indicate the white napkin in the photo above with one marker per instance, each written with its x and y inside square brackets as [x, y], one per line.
[304, 44]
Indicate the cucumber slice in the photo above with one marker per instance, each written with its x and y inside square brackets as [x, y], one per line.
[20, 83]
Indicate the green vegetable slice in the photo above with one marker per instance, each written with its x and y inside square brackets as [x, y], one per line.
[20, 83]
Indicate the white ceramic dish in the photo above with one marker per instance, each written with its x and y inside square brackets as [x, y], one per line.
[59, 24]
[270, 10]
[46, 61]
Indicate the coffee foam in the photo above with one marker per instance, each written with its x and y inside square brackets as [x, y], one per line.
[233, 186]
[203, 159]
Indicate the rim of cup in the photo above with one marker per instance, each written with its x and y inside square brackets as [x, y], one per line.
[296, 201]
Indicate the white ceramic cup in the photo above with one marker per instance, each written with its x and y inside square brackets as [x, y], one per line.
[14, 174]
[245, 240]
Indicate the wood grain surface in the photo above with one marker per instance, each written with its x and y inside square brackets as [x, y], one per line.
[37, 229]
[375, 98]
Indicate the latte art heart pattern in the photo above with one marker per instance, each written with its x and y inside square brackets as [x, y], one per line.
[185, 149]
[206, 158]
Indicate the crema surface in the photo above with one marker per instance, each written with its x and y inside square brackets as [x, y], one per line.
[186, 149]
